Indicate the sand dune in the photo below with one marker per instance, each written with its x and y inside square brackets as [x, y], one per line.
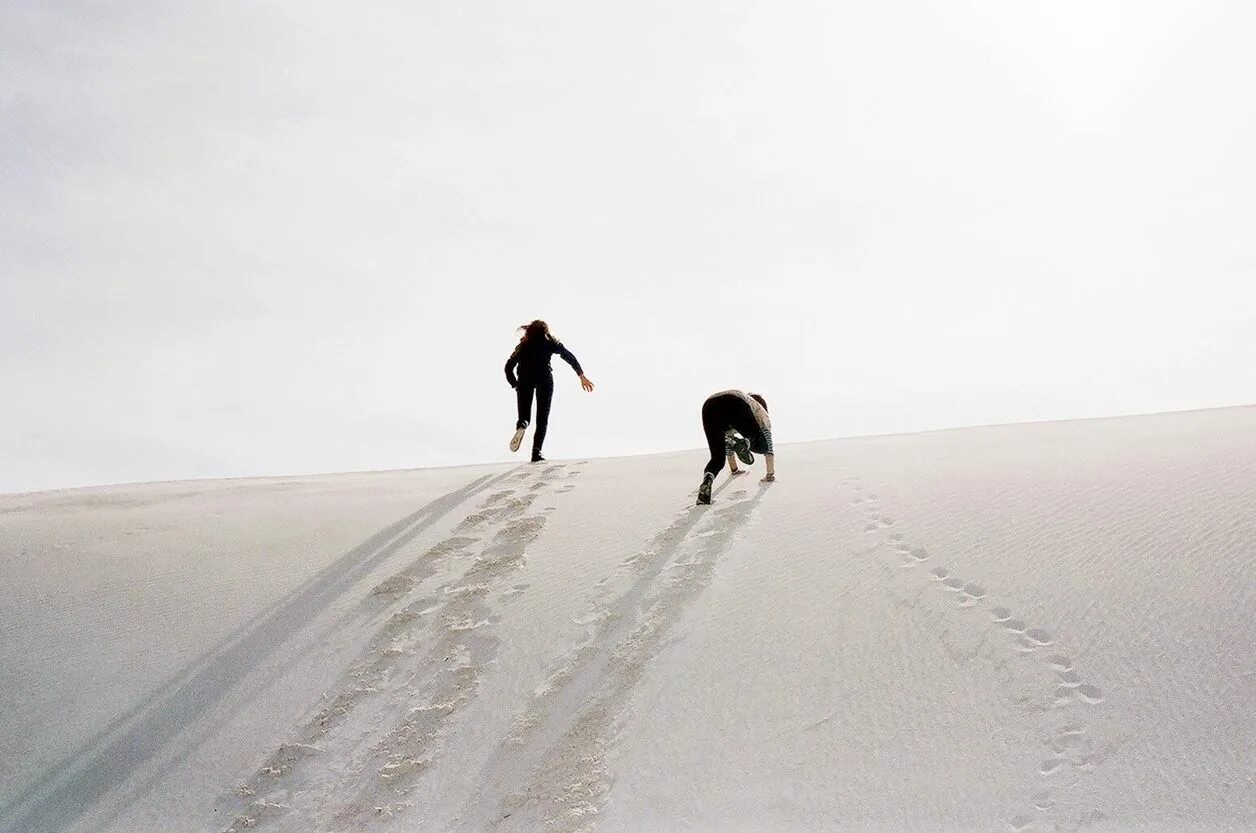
[1016, 628]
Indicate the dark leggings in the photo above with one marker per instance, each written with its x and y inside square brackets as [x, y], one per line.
[719, 414]
[543, 388]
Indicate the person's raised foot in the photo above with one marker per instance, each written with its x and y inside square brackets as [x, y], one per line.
[517, 438]
[704, 491]
[736, 472]
[742, 449]
[537, 458]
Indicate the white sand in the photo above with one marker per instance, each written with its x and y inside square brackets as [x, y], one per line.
[1033, 627]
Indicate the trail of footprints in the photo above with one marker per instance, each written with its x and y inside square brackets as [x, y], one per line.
[556, 753]
[423, 664]
[1068, 745]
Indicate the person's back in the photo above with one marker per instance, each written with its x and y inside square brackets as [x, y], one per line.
[532, 358]
[760, 441]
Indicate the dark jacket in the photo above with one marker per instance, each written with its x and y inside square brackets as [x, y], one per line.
[533, 360]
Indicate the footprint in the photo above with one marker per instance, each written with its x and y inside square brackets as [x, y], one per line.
[1070, 679]
[398, 585]
[1042, 801]
[919, 554]
[896, 537]
[1001, 614]
[939, 573]
[1090, 693]
[1014, 625]
[1038, 637]
[1019, 824]
[953, 584]
[886, 521]
[974, 591]
[287, 757]
[870, 528]
[1060, 663]
[1089, 762]
[1050, 765]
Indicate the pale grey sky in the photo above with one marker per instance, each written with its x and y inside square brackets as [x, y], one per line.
[268, 238]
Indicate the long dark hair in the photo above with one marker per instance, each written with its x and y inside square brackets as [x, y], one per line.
[535, 331]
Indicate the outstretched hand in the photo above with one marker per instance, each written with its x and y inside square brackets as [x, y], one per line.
[585, 383]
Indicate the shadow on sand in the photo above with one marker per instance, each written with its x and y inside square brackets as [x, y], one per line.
[59, 797]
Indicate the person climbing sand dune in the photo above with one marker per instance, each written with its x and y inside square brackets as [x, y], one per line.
[737, 426]
[535, 379]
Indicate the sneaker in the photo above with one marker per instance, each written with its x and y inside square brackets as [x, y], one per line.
[742, 449]
[517, 439]
[537, 458]
[704, 491]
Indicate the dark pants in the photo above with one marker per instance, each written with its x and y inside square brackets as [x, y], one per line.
[543, 388]
[719, 414]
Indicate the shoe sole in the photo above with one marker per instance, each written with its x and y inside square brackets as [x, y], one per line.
[742, 450]
[517, 439]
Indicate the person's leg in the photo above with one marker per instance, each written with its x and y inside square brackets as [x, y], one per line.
[714, 425]
[741, 419]
[544, 395]
[523, 398]
[744, 423]
[523, 394]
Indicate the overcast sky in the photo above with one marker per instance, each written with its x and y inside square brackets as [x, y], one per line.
[245, 238]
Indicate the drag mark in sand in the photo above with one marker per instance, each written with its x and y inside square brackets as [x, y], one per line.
[1062, 692]
[550, 772]
[361, 754]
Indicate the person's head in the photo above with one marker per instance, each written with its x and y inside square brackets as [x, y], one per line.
[757, 398]
[536, 330]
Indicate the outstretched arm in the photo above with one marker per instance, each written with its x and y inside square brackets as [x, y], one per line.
[570, 358]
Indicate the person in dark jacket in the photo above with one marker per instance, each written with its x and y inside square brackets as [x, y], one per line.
[532, 357]
[737, 426]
